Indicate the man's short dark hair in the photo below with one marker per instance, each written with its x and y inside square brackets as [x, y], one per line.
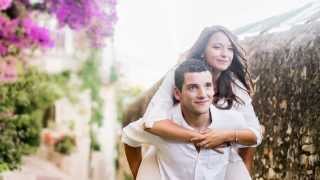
[188, 66]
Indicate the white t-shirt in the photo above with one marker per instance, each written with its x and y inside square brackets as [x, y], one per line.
[179, 160]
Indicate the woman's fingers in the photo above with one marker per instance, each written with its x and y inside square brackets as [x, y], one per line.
[206, 131]
[196, 139]
[204, 143]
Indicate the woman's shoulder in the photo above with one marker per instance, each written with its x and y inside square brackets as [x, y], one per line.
[240, 90]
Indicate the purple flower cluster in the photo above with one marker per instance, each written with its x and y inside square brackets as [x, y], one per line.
[97, 17]
[39, 36]
[5, 4]
[75, 13]
[21, 33]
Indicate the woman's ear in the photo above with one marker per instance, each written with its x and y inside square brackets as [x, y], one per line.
[177, 93]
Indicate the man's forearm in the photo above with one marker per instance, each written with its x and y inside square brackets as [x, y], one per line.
[134, 158]
[247, 156]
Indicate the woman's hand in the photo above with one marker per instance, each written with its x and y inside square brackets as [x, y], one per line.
[212, 138]
[199, 137]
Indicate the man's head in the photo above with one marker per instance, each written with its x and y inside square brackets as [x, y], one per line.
[194, 88]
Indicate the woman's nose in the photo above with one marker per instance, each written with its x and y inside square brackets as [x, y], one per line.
[224, 52]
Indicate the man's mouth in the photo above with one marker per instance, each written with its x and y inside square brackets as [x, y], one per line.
[202, 102]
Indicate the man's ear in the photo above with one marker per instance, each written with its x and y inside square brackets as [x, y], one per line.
[177, 94]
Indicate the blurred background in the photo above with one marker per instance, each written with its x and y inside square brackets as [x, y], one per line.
[73, 72]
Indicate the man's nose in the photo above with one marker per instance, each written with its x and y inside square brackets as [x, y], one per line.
[202, 92]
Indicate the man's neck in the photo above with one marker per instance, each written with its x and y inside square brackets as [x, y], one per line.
[197, 121]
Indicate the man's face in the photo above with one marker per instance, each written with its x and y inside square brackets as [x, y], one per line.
[197, 92]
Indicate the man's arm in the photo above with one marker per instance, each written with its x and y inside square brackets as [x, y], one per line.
[248, 153]
[133, 137]
[247, 156]
[134, 158]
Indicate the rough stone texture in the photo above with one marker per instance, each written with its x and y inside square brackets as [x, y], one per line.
[287, 102]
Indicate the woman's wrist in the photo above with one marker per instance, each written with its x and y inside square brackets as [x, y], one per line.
[231, 136]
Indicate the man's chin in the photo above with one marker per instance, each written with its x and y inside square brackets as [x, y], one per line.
[202, 110]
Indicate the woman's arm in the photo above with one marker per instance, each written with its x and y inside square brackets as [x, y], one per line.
[215, 137]
[170, 130]
[157, 118]
[247, 110]
[161, 103]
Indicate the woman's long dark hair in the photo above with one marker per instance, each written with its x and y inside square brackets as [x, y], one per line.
[237, 70]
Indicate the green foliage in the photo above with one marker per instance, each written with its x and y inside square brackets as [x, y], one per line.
[65, 145]
[22, 109]
[114, 76]
[91, 80]
[95, 145]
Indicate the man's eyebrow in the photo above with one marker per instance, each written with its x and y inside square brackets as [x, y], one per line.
[192, 84]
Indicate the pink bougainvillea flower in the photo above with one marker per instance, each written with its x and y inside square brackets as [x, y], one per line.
[88, 15]
[8, 70]
[3, 49]
[41, 36]
[5, 4]
[36, 34]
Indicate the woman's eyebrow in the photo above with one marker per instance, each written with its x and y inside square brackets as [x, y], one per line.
[221, 44]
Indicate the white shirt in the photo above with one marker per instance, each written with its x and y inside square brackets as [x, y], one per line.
[181, 161]
[161, 104]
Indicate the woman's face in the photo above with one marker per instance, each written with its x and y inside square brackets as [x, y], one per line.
[219, 52]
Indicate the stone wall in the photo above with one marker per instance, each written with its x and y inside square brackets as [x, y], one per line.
[286, 66]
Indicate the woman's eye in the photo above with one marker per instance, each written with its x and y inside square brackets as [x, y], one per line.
[192, 88]
[208, 85]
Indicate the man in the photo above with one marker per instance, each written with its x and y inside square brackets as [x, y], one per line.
[177, 160]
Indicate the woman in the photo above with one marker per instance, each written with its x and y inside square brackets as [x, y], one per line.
[219, 49]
